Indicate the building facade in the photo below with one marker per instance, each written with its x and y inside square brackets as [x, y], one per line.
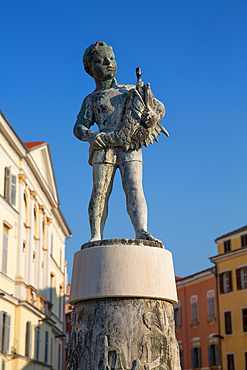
[231, 264]
[196, 321]
[33, 232]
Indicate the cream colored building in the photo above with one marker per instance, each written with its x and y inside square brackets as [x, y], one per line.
[231, 263]
[33, 272]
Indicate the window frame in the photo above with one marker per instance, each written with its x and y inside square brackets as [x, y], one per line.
[227, 246]
[244, 241]
[244, 319]
[225, 289]
[241, 278]
[213, 354]
[211, 304]
[4, 331]
[227, 362]
[195, 357]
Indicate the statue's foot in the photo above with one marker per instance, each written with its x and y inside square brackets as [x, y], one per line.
[95, 239]
[143, 234]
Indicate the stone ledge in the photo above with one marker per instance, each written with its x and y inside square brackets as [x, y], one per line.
[135, 242]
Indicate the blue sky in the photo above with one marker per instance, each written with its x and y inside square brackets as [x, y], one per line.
[194, 55]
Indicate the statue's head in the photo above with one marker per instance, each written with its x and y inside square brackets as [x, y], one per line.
[99, 61]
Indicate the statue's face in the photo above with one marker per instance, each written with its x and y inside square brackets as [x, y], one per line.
[104, 65]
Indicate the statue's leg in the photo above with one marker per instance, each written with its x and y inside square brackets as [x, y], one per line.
[131, 173]
[103, 176]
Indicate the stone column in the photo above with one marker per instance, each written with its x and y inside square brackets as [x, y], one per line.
[30, 241]
[19, 288]
[47, 260]
[123, 291]
[39, 249]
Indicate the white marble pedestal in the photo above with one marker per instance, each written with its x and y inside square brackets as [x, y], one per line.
[123, 291]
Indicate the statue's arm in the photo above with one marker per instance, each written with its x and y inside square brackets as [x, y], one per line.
[82, 126]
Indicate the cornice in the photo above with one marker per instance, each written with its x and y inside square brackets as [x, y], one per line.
[195, 279]
[11, 136]
[229, 255]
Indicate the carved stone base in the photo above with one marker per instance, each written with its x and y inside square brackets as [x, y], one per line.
[123, 333]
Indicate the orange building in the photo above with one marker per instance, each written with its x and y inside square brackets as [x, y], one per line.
[196, 321]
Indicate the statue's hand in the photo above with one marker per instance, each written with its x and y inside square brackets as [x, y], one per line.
[95, 141]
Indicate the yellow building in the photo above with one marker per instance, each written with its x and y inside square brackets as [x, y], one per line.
[231, 263]
[32, 256]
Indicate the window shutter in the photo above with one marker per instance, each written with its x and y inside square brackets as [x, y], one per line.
[209, 356]
[30, 339]
[216, 354]
[230, 280]
[27, 339]
[13, 190]
[6, 334]
[181, 358]
[7, 183]
[180, 316]
[192, 358]
[221, 283]
[199, 356]
[1, 329]
[5, 253]
[238, 279]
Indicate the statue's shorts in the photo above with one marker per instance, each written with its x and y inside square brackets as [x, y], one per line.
[115, 156]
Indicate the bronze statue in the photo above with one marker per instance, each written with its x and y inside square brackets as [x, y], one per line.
[128, 117]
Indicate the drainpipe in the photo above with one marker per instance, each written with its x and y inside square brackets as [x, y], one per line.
[215, 272]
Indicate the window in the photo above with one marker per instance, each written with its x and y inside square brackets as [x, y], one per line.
[28, 347]
[244, 315]
[59, 357]
[178, 315]
[37, 342]
[4, 332]
[210, 298]
[241, 278]
[51, 352]
[230, 362]
[244, 241]
[5, 249]
[225, 282]
[245, 355]
[195, 357]
[228, 322]
[46, 346]
[227, 246]
[10, 186]
[213, 355]
[193, 302]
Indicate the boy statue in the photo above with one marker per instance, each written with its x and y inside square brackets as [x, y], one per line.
[128, 117]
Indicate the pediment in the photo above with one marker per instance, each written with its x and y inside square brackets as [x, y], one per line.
[40, 153]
